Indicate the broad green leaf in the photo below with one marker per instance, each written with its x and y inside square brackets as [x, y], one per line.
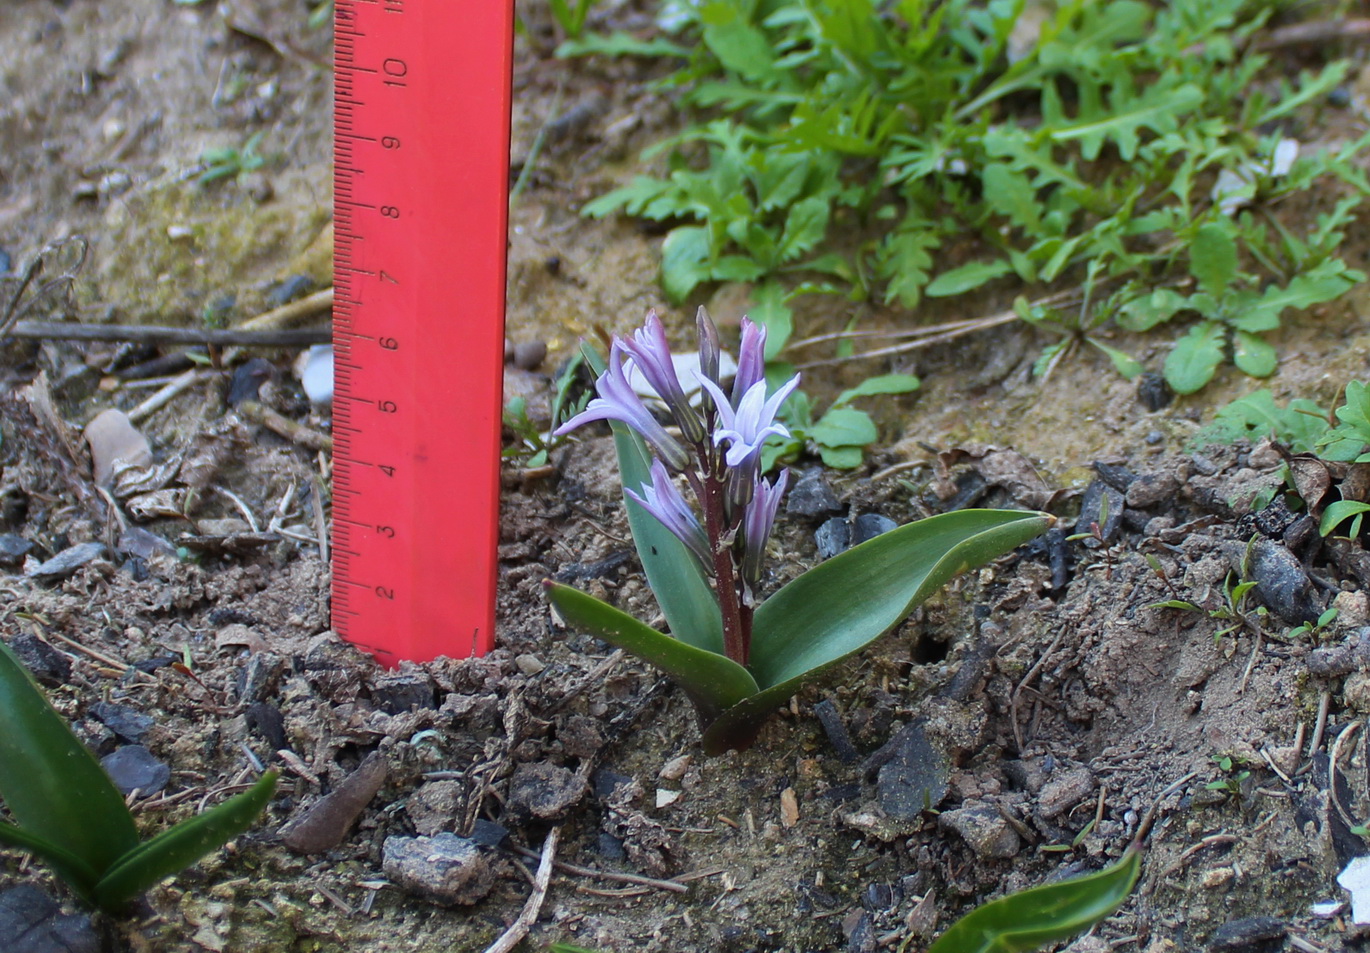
[684, 261]
[771, 312]
[54, 788]
[805, 226]
[1124, 363]
[738, 45]
[1355, 410]
[880, 384]
[1254, 355]
[967, 277]
[1030, 919]
[1213, 258]
[175, 849]
[840, 606]
[1195, 358]
[713, 681]
[1011, 194]
[680, 587]
[845, 427]
[841, 458]
[1327, 282]
[1338, 513]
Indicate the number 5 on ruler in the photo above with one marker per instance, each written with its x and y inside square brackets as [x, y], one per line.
[421, 100]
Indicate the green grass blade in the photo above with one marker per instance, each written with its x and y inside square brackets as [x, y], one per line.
[176, 849]
[840, 606]
[76, 872]
[1032, 918]
[713, 681]
[54, 788]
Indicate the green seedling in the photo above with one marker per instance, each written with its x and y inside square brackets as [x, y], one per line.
[738, 655]
[1030, 919]
[570, 15]
[67, 812]
[841, 433]
[1233, 608]
[1124, 151]
[1315, 629]
[534, 446]
[321, 15]
[230, 162]
[1234, 775]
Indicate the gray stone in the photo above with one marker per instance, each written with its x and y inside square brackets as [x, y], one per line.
[529, 355]
[1064, 791]
[433, 807]
[129, 725]
[832, 537]
[45, 663]
[134, 767]
[1149, 489]
[400, 692]
[32, 922]
[545, 791]
[984, 829]
[13, 549]
[914, 779]
[1248, 933]
[67, 562]
[445, 869]
[811, 497]
[870, 525]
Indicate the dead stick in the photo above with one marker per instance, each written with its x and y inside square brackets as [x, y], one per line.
[154, 334]
[283, 425]
[528, 915]
[672, 885]
[290, 314]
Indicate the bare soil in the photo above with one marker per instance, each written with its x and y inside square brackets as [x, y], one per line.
[1046, 703]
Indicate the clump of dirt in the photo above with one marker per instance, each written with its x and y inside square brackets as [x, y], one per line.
[1029, 722]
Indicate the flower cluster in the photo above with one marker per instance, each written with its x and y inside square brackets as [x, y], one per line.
[715, 445]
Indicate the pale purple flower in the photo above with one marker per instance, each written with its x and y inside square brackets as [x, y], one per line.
[617, 401]
[651, 354]
[751, 359]
[664, 501]
[746, 428]
[757, 520]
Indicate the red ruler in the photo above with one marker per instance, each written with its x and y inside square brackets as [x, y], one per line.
[421, 100]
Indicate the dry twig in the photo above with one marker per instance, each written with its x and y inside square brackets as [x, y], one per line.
[513, 936]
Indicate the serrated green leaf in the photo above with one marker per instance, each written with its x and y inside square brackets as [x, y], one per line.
[1011, 194]
[1254, 355]
[1030, 919]
[53, 787]
[844, 427]
[967, 277]
[805, 226]
[713, 681]
[1327, 282]
[1213, 258]
[842, 605]
[175, 849]
[1195, 358]
[1299, 426]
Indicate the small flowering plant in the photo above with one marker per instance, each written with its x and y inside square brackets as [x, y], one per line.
[738, 656]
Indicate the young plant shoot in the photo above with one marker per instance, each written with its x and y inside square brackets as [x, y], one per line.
[68, 812]
[740, 656]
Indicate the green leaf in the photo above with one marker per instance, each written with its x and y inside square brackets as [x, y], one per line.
[1254, 355]
[1124, 363]
[713, 681]
[1145, 312]
[840, 606]
[805, 226]
[841, 458]
[1338, 513]
[1299, 426]
[844, 427]
[968, 277]
[1327, 282]
[1011, 194]
[684, 261]
[54, 788]
[1213, 258]
[880, 384]
[620, 43]
[771, 312]
[79, 875]
[1195, 358]
[1030, 919]
[173, 850]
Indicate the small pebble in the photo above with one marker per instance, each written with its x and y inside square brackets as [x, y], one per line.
[529, 355]
[400, 692]
[833, 537]
[284, 292]
[867, 526]
[1064, 791]
[67, 562]
[133, 767]
[675, 769]
[810, 496]
[789, 808]
[530, 664]
[445, 869]
[325, 823]
[665, 798]
[32, 922]
[13, 549]
[544, 791]
[1246, 933]
[131, 726]
[984, 829]
[46, 664]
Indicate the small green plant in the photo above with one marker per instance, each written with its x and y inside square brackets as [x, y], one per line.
[1233, 608]
[535, 446]
[1126, 150]
[841, 433]
[570, 15]
[321, 15]
[68, 812]
[1233, 774]
[1314, 629]
[230, 162]
[737, 655]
